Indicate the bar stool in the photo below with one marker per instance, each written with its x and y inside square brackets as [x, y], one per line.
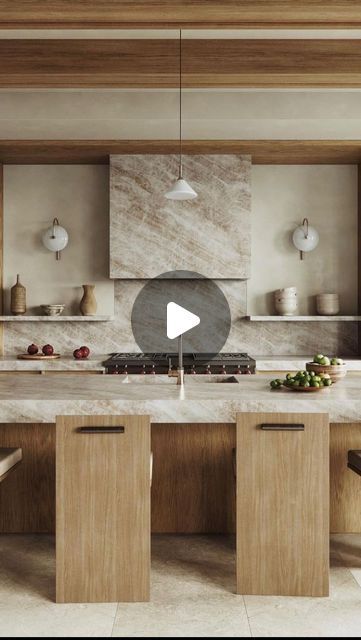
[354, 461]
[10, 458]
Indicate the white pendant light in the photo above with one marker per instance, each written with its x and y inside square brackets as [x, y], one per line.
[181, 190]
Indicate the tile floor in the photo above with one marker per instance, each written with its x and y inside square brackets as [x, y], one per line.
[193, 582]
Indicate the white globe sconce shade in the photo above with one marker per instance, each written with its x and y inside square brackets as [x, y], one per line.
[305, 238]
[55, 238]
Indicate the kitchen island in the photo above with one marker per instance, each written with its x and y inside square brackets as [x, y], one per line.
[203, 399]
[278, 498]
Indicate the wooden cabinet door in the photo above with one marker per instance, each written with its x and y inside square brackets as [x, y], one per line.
[102, 508]
[282, 504]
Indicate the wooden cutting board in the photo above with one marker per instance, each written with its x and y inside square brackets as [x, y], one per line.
[37, 356]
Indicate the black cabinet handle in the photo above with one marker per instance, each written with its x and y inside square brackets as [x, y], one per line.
[282, 427]
[101, 429]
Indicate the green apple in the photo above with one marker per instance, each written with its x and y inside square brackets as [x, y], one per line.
[339, 361]
[318, 358]
[325, 361]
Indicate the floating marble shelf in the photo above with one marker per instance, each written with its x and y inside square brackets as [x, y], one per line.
[26, 318]
[304, 318]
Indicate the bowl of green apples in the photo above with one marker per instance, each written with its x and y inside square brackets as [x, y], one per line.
[303, 381]
[335, 367]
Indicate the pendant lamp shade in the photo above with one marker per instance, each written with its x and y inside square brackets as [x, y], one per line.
[181, 190]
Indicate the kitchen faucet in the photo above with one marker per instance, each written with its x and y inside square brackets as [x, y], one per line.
[180, 370]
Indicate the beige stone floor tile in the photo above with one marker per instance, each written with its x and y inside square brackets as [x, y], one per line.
[348, 547]
[192, 592]
[27, 591]
[336, 616]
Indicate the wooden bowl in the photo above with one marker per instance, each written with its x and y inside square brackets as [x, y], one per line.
[335, 371]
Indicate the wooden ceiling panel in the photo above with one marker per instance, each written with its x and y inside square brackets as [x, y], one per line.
[98, 151]
[155, 63]
[85, 14]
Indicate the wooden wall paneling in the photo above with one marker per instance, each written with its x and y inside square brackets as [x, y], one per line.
[345, 486]
[138, 63]
[1, 257]
[359, 251]
[282, 505]
[41, 14]
[262, 151]
[102, 509]
[193, 488]
[27, 498]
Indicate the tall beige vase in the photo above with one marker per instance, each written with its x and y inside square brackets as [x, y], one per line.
[18, 298]
[88, 303]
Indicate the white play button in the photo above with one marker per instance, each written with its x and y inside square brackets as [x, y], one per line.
[179, 320]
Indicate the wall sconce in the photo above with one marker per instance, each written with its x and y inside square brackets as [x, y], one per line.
[305, 238]
[55, 238]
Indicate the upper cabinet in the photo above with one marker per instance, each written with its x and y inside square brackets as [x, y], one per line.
[150, 235]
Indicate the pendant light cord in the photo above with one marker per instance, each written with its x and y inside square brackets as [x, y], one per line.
[180, 103]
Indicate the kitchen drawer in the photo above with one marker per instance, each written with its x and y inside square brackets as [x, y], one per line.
[283, 504]
[102, 508]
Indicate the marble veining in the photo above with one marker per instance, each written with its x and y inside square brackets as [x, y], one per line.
[34, 399]
[298, 338]
[150, 235]
[255, 338]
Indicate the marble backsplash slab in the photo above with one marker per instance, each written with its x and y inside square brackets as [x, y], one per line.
[210, 235]
[256, 338]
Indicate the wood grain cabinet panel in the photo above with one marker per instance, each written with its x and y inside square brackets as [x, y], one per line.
[283, 505]
[193, 489]
[27, 498]
[102, 508]
[345, 485]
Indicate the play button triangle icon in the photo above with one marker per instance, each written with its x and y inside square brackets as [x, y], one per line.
[179, 320]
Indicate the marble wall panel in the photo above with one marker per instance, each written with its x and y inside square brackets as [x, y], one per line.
[150, 235]
[256, 338]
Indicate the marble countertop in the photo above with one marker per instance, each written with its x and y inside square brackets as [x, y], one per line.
[294, 363]
[65, 363]
[30, 398]
[94, 362]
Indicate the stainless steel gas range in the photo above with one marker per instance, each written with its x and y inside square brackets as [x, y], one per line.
[194, 363]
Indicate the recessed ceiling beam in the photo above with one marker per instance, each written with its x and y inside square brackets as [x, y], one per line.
[98, 151]
[155, 63]
[85, 14]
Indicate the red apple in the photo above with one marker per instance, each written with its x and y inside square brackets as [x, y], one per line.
[86, 351]
[33, 349]
[78, 354]
[48, 350]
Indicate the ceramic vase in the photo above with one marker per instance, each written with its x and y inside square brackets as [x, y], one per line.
[88, 303]
[286, 301]
[18, 298]
[328, 304]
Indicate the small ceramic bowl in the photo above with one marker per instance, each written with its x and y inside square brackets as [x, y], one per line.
[53, 309]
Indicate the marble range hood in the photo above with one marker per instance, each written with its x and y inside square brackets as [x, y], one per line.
[150, 235]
